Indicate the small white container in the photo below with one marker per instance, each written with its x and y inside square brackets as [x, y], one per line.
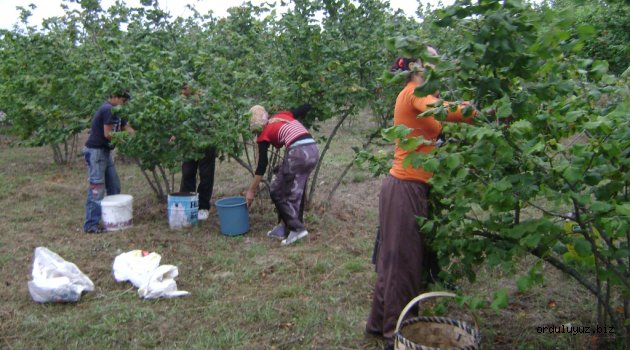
[117, 212]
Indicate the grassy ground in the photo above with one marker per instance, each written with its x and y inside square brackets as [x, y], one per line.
[248, 292]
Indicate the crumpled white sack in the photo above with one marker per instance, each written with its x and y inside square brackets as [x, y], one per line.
[55, 279]
[162, 284]
[135, 266]
[143, 270]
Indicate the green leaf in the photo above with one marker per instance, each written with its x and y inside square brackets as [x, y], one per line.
[531, 240]
[504, 108]
[515, 232]
[440, 309]
[623, 209]
[395, 132]
[491, 197]
[535, 148]
[521, 126]
[582, 247]
[468, 111]
[524, 283]
[414, 159]
[572, 116]
[461, 173]
[427, 228]
[599, 67]
[503, 185]
[495, 259]
[411, 143]
[586, 31]
[428, 88]
[572, 174]
[601, 207]
[476, 303]
[504, 153]
[431, 165]
[621, 254]
[595, 124]
[500, 300]
[560, 248]
[453, 161]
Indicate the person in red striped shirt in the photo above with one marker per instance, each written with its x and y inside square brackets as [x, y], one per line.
[288, 184]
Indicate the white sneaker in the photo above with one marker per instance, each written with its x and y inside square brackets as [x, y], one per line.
[294, 236]
[203, 214]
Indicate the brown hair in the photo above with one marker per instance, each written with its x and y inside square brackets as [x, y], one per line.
[401, 64]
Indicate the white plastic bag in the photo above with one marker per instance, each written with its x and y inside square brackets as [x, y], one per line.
[135, 266]
[56, 280]
[162, 284]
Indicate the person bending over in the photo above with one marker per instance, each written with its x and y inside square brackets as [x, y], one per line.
[301, 157]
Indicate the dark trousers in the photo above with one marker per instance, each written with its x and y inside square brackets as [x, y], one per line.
[206, 166]
[300, 214]
[288, 185]
[399, 260]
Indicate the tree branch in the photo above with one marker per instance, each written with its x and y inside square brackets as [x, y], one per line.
[146, 176]
[538, 252]
[322, 154]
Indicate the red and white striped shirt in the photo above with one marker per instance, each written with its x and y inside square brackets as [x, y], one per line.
[282, 130]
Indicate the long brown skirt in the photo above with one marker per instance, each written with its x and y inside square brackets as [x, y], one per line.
[399, 259]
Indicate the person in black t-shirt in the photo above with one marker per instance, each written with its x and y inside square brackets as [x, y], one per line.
[102, 175]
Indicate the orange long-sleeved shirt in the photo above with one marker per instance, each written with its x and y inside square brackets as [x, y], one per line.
[408, 106]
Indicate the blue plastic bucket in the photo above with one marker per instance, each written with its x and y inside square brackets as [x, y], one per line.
[233, 215]
[183, 209]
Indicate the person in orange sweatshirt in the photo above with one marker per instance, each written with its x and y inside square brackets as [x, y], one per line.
[404, 195]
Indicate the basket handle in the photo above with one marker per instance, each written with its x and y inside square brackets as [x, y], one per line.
[418, 299]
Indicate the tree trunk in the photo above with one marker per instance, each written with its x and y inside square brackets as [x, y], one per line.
[321, 157]
[56, 154]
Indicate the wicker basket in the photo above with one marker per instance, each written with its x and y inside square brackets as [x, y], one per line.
[434, 333]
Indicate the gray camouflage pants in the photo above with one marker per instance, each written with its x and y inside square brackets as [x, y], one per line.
[287, 186]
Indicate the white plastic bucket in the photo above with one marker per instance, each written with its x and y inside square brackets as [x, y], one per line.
[117, 212]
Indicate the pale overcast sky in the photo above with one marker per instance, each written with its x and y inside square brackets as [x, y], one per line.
[50, 8]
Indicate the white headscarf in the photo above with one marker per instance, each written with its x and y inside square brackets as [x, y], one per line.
[259, 118]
